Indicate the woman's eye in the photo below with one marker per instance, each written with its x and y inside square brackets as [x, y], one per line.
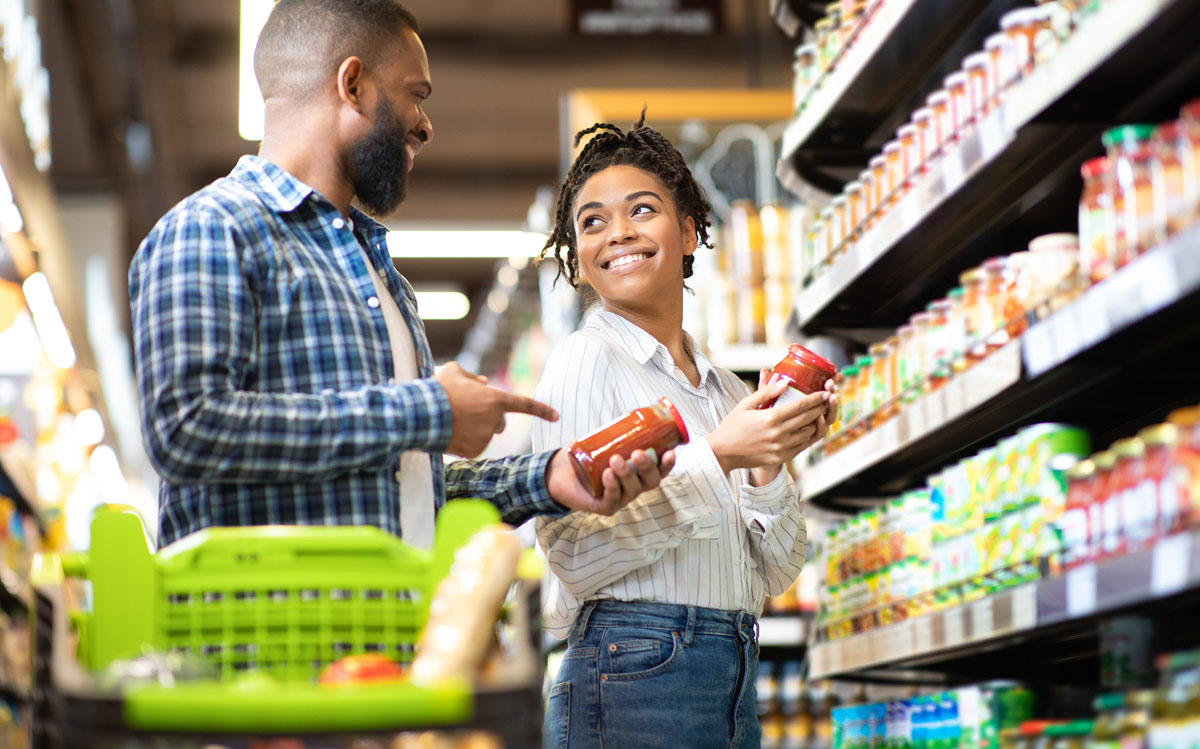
[589, 222]
[643, 209]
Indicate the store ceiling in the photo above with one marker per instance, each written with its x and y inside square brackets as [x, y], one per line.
[144, 104]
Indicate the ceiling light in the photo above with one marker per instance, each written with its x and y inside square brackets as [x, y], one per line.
[433, 243]
[507, 276]
[442, 305]
[250, 101]
[50, 328]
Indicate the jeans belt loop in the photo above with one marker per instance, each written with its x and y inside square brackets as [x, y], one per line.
[691, 626]
[582, 621]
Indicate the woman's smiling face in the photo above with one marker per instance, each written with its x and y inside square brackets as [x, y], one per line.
[629, 238]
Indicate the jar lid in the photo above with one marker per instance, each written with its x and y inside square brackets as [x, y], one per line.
[850, 371]
[838, 201]
[1185, 417]
[1059, 241]
[1159, 434]
[854, 186]
[1130, 447]
[906, 130]
[796, 351]
[997, 40]
[878, 350]
[939, 305]
[955, 79]
[863, 361]
[1094, 167]
[937, 97]
[991, 265]
[975, 275]
[920, 318]
[977, 60]
[827, 23]
[827, 212]
[1104, 460]
[806, 49]
[833, 8]
[866, 176]
[683, 431]
[1036, 727]
[1191, 110]
[1126, 134]
[921, 114]
[1168, 131]
[892, 146]
[1082, 470]
[955, 293]
[1019, 17]
[878, 160]
[904, 330]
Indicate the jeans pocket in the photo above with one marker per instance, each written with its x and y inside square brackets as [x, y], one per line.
[639, 658]
[556, 728]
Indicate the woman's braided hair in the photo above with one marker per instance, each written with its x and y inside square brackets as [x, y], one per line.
[642, 147]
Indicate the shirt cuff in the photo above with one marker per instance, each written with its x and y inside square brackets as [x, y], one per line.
[769, 496]
[532, 485]
[424, 419]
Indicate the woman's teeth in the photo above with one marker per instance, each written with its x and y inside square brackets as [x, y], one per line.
[626, 260]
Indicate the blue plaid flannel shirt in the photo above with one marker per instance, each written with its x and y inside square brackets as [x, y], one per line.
[264, 368]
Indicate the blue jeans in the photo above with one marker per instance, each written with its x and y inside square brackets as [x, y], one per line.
[656, 675]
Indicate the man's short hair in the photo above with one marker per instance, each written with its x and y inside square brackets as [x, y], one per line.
[303, 41]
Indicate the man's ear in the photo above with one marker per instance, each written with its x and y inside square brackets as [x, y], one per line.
[350, 83]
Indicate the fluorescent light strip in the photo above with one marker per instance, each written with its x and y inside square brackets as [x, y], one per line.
[48, 321]
[405, 243]
[250, 101]
[442, 305]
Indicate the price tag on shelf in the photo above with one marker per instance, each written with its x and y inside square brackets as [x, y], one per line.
[922, 634]
[1093, 319]
[991, 135]
[1081, 590]
[834, 660]
[914, 417]
[1064, 330]
[955, 627]
[1169, 565]
[982, 620]
[1024, 603]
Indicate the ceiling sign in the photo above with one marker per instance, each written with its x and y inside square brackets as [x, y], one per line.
[646, 17]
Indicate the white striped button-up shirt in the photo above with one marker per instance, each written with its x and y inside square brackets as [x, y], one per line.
[703, 538]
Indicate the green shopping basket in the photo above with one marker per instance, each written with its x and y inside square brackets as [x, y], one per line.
[270, 607]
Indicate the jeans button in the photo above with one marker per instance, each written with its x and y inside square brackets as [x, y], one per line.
[603, 677]
[612, 648]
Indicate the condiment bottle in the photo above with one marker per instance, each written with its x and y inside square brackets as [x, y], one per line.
[998, 292]
[854, 211]
[939, 103]
[922, 323]
[848, 406]
[956, 329]
[980, 85]
[864, 394]
[879, 183]
[1110, 540]
[1135, 507]
[840, 224]
[1005, 69]
[937, 355]
[805, 372]
[1170, 207]
[1022, 26]
[922, 120]
[905, 366]
[1075, 521]
[880, 384]
[978, 313]
[960, 103]
[1187, 462]
[1097, 260]
[867, 178]
[1132, 227]
[1189, 120]
[656, 428]
[895, 169]
[1161, 484]
[828, 233]
[910, 155]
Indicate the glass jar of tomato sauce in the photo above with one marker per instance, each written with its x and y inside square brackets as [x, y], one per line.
[654, 429]
[1160, 484]
[922, 120]
[1097, 260]
[960, 103]
[940, 123]
[1166, 174]
[1186, 462]
[1074, 523]
[1111, 538]
[980, 85]
[805, 372]
[1005, 69]
[1131, 230]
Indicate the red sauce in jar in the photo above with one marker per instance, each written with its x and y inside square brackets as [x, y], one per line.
[805, 372]
[658, 427]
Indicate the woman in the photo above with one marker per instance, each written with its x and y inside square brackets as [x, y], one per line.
[659, 600]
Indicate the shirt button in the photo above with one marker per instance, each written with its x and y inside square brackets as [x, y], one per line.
[338, 223]
[373, 302]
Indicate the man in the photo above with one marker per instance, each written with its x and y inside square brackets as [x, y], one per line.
[283, 373]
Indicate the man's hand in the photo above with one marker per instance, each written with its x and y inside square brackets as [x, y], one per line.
[477, 411]
[623, 481]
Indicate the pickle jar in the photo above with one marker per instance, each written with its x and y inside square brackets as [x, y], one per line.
[1096, 261]
[1166, 170]
[1131, 228]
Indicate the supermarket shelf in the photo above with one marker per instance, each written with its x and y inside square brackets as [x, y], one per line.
[1156, 281]
[1087, 353]
[1026, 613]
[749, 357]
[16, 488]
[893, 52]
[1017, 171]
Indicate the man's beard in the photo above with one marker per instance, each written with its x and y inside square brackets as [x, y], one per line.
[378, 163]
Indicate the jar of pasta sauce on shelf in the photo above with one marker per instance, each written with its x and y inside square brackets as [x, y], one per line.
[1022, 26]
[910, 156]
[1132, 186]
[1075, 522]
[1161, 482]
[1189, 122]
[1139, 510]
[1096, 260]
[1166, 170]
[960, 104]
[1186, 463]
[1005, 70]
[980, 85]
[896, 172]
[922, 120]
[654, 429]
[866, 178]
[805, 373]
[940, 124]
[879, 184]
[1110, 541]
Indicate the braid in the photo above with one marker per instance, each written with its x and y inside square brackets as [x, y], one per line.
[642, 147]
